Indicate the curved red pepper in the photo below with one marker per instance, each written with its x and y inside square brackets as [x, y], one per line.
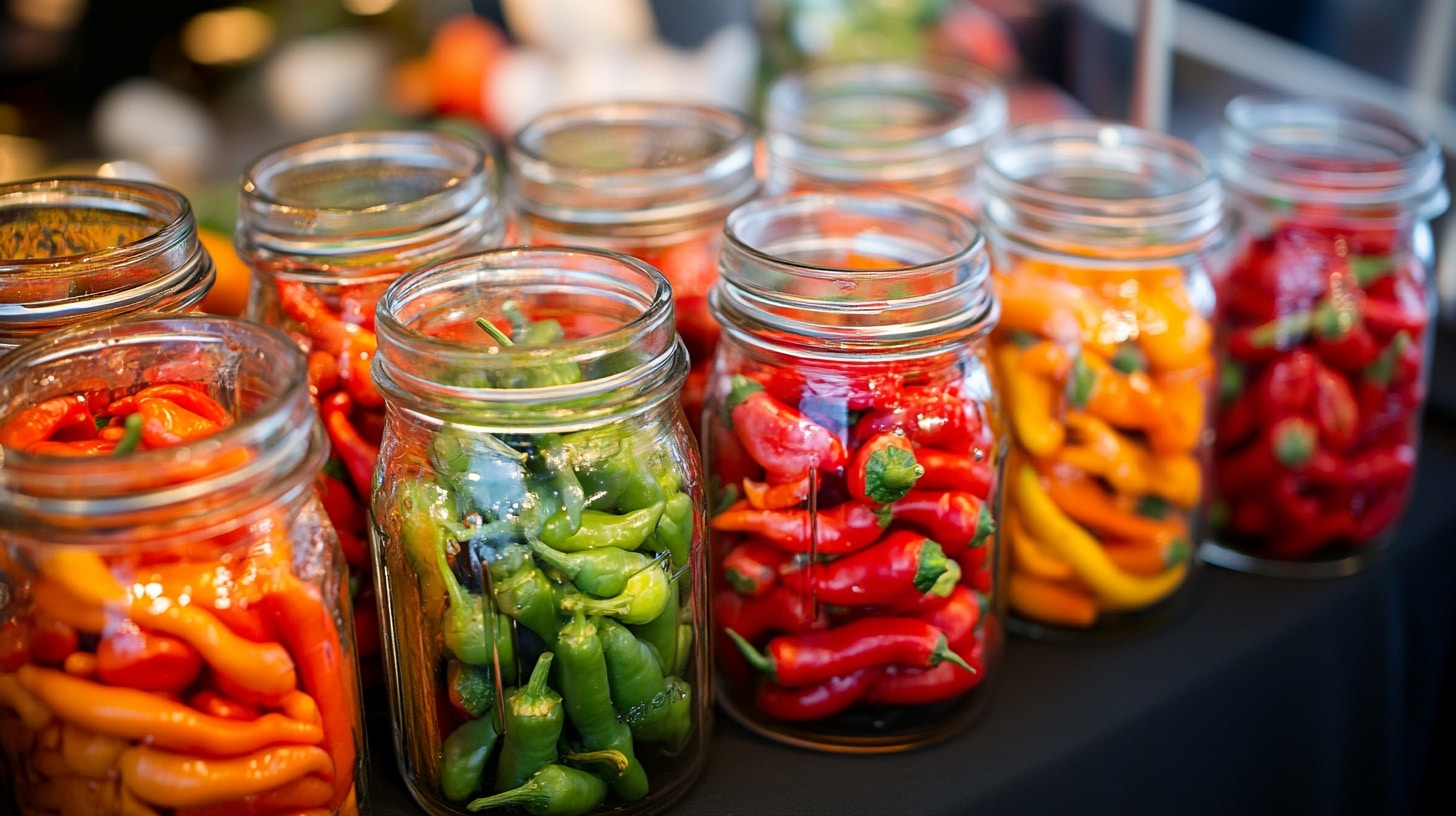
[899, 566]
[186, 396]
[944, 470]
[817, 700]
[883, 469]
[780, 609]
[752, 567]
[954, 518]
[166, 424]
[812, 657]
[1336, 414]
[145, 660]
[908, 686]
[357, 455]
[840, 530]
[781, 439]
[67, 418]
[930, 416]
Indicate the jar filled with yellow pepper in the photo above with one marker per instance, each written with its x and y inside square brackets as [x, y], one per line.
[1103, 240]
[174, 623]
[83, 249]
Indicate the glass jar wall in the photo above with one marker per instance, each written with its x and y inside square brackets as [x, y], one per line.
[174, 602]
[854, 451]
[1326, 317]
[653, 180]
[911, 128]
[540, 534]
[326, 224]
[1103, 239]
[81, 249]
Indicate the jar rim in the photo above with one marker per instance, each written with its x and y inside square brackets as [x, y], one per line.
[676, 161]
[1298, 148]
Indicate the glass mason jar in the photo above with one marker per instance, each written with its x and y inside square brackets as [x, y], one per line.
[854, 453]
[1103, 239]
[82, 249]
[540, 533]
[326, 224]
[911, 128]
[173, 616]
[653, 180]
[1326, 324]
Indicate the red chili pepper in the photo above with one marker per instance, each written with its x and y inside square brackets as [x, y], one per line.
[356, 352]
[166, 424]
[323, 373]
[1378, 514]
[1288, 497]
[14, 645]
[1336, 414]
[752, 567]
[840, 530]
[1306, 539]
[780, 609]
[80, 447]
[344, 510]
[781, 496]
[811, 657]
[68, 417]
[323, 327]
[1383, 466]
[1236, 423]
[357, 455]
[909, 686]
[210, 702]
[145, 660]
[816, 701]
[883, 469]
[1286, 445]
[930, 416]
[51, 641]
[1350, 349]
[1249, 515]
[901, 565]
[356, 552]
[954, 518]
[782, 440]
[959, 617]
[1403, 311]
[185, 396]
[1286, 387]
[954, 471]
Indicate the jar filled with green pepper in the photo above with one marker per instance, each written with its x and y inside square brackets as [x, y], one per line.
[539, 529]
[854, 449]
[88, 249]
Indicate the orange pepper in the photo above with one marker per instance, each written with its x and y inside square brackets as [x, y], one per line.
[1125, 400]
[1148, 557]
[1029, 555]
[1096, 448]
[1171, 332]
[1183, 418]
[1060, 311]
[1089, 504]
[1059, 603]
[1030, 400]
[1047, 359]
[177, 780]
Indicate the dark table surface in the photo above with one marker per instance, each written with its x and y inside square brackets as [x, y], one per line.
[1258, 695]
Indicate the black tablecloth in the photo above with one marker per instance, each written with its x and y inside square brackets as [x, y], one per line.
[1258, 695]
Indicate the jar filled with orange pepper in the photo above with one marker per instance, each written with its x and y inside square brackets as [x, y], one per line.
[541, 536]
[82, 249]
[653, 180]
[854, 451]
[326, 224]
[1103, 239]
[1326, 318]
[911, 128]
[174, 611]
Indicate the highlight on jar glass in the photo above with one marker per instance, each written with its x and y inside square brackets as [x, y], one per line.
[1103, 240]
[654, 180]
[174, 602]
[854, 454]
[326, 224]
[78, 249]
[1326, 328]
[917, 129]
[540, 532]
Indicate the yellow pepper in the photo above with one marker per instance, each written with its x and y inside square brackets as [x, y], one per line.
[1029, 555]
[1097, 448]
[173, 780]
[1030, 400]
[1114, 589]
[1172, 334]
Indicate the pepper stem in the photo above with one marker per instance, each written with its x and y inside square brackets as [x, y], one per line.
[741, 388]
[931, 565]
[537, 685]
[985, 526]
[613, 757]
[495, 333]
[133, 436]
[755, 658]
[943, 652]
[527, 796]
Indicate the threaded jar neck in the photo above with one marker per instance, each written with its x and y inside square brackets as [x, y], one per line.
[91, 249]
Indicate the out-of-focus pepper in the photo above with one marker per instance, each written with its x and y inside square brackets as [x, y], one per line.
[781, 439]
[1030, 401]
[815, 701]
[899, 565]
[66, 417]
[883, 469]
[534, 719]
[837, 531]
[177, 780]
[1286, 445]
[1059, 603]
[1030, 556]
[752, 567]
[1125, 400]
[584, 688]
[812, 657]
[1336, 414]
[1091, 505]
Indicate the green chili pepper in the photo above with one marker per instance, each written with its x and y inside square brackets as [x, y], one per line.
[470, 688]
[426, 510]
[602, 572]
[661, 633]
[555, 790]
[488, 475]
[534, 721]
[133, 435]
[675, 528]
[472, 630]
[685, 635]
[552, 464]
[463, 756]
[642, 490]
[582, 676]
[522, 591]
[603, 466]
[644, 598]
[667, 718]
[542, 333]
[598, 529]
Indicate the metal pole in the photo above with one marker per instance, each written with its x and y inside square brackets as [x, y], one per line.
[1152, 69]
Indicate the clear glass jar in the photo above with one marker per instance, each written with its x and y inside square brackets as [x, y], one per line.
[326, 224]
[540, 530]
[1326, 322]
[1103, 241]
[173, 616]
[854, 455]
[82, 249]
[653, 180]
[911, 128]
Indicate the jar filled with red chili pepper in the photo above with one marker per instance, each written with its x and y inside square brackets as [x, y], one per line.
[653, 180]
[1103, 239]
[853, 448]
[1326, 320]
[84, 249]
[910, 128]
[174, 610]
[326, 224]
[540, 534]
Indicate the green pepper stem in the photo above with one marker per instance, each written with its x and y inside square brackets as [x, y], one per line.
[946, 583]
[133, 436]
[985, 526]
[931, 565]
[537, 685]
[613, 757]
[740, 389]
[943, 653]
[757, 659]
[495, 333]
